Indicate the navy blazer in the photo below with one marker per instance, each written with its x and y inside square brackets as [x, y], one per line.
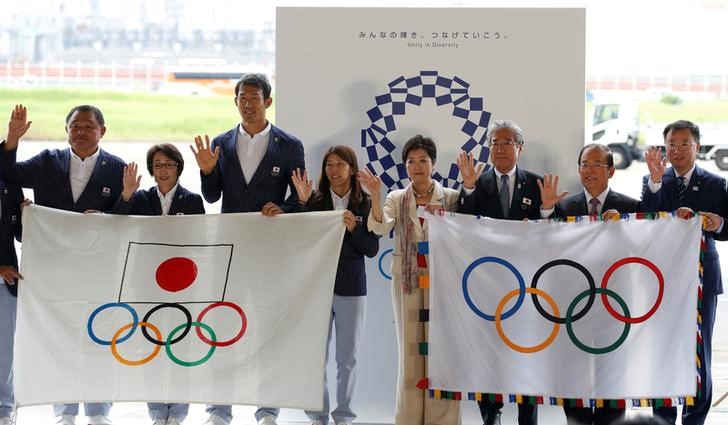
[270, 182]
[146, 202]
[575, 205]
[48, 175]
[10, 227]
[705, 192]
[485, 199]
[351, 279]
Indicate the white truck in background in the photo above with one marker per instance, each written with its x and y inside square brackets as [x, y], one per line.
[615, 123]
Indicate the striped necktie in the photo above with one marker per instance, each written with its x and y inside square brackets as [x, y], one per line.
[594, 206]
[681, 190]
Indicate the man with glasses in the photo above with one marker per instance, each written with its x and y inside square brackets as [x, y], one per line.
[81, 178]
[250, 166]
[596, 167]
[688, 189]
[504, 191]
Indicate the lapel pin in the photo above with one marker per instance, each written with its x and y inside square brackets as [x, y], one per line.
[276, 171]
[526, 201]
[695, 188]
[105, 192]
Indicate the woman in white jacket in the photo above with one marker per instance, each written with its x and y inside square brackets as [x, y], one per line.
[400, 211]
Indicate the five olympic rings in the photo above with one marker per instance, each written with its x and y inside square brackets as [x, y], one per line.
[570, 316]
[172, 338]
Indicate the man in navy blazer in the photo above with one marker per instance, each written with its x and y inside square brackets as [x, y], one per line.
[686, 188]
[250, 166]
[504, 191]
[596, 167]
[11, 198]
[80, 178]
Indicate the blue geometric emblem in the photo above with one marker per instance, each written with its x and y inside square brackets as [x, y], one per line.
[449, 93]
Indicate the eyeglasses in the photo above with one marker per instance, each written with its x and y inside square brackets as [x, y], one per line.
[593, 167]
[502, 145]
[679, 146]
[165, 165]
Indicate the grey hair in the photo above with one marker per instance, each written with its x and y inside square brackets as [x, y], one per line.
[505, 125]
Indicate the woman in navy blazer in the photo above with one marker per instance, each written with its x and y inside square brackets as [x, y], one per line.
[338, 189]
[165, 164]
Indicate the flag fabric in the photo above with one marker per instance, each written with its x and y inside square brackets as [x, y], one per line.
[584, 309]
[205, 309]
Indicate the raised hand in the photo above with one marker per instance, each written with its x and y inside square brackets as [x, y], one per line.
[206, 158]
[303, 185]
[550, 195]
[131, 181]
[17, 126]
[468, 170]
[656, 163]
[372, 183]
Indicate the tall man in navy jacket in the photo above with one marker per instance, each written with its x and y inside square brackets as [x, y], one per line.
[11, 197]
[80, 178]
[504, 191]
[596, 167]
[250, 166]
[686, 188]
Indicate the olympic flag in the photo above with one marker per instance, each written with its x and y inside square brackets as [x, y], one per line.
[206, 309]
[582, 310]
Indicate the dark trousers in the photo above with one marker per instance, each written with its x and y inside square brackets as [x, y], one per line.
[590, 416]
[696, 414]
[527, 413]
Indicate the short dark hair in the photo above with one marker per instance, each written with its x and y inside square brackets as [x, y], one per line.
[682, 125]
[601, 147]
[420, 142]
[169, 150]
[87, 108]
[256, 80]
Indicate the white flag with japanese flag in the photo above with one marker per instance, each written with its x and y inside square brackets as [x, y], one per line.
[206, 309]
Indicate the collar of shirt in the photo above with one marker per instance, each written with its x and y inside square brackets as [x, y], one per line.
[90, 160]
[511, 180]
[602, 198]
[687, 175]
[340, 202]
[166, 200]
[255, 137]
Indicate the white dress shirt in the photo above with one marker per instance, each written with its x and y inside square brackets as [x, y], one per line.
[340, 202]
[251, 149]
[80, 172]
[166, 200]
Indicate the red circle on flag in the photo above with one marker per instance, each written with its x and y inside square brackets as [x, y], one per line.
[176, 274]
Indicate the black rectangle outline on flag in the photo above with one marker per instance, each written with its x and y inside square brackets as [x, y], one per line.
[126, 261]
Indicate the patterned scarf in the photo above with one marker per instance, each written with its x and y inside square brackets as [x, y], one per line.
[407, 243]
